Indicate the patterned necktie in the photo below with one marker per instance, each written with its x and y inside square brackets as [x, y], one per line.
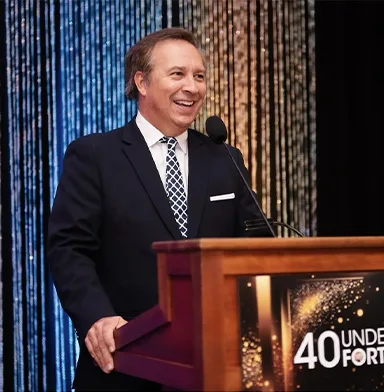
[175, 187]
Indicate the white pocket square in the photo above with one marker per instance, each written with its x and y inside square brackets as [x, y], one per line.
[227, 196]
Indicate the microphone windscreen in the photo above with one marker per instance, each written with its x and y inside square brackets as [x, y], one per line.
[216, 129]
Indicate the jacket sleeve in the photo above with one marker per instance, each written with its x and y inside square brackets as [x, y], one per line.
[73, 242]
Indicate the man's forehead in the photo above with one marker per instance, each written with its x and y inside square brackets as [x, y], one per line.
[163, 47]
[178, 62]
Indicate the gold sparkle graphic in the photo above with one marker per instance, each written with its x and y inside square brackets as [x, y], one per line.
[252, 372]
[317, 302]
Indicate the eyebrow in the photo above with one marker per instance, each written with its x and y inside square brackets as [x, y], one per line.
[177, 68]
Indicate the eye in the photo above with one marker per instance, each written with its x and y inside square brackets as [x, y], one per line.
[177, 73]
[200, 76]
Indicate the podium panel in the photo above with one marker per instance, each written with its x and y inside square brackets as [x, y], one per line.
[303, 332]
[261, 314]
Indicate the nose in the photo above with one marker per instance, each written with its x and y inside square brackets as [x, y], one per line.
[190, 85]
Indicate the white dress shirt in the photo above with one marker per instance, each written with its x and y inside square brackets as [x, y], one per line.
[159, 150]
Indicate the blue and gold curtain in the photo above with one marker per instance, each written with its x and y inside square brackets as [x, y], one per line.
[62, 76]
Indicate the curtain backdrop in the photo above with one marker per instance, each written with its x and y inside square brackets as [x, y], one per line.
[61, 76]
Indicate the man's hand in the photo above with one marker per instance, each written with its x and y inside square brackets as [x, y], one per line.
[100, 342]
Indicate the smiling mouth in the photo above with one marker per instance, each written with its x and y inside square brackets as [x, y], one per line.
[186, 104]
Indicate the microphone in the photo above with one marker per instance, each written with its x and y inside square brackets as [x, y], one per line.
[217, 132]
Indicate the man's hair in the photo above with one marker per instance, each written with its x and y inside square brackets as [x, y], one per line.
[138, 57]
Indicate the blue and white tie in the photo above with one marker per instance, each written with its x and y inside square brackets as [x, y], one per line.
[175, 186]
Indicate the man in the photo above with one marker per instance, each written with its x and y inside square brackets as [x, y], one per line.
[148, 181]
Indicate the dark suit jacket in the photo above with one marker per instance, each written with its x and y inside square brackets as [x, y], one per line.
[110, 206]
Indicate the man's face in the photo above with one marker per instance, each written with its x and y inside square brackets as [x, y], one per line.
[173, 93]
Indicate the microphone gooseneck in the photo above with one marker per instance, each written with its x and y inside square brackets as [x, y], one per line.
[217, 132]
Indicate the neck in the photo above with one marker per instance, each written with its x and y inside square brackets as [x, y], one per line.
[170, 131]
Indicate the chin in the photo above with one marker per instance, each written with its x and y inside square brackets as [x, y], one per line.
[183, 125]
[185, 121]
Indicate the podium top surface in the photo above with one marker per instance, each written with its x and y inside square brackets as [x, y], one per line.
[262, 244]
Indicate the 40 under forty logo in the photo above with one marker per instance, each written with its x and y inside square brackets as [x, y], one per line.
[363, 347]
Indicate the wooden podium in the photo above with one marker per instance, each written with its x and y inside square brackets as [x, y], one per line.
[190, 340]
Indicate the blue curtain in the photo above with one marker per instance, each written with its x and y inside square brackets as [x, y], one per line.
[62, 77]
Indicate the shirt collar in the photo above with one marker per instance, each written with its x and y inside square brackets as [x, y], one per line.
[152, 135]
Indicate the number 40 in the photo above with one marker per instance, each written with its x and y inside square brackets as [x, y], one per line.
[311, 358]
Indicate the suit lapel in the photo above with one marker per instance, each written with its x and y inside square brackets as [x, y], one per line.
[137, 152]
[198, 177]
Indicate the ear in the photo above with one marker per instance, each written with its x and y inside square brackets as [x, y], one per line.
[140, 83]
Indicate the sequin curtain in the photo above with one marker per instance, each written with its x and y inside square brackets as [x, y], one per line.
[22, 209]
[62, 77]
[261, 58]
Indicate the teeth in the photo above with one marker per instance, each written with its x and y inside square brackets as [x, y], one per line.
[187, 103]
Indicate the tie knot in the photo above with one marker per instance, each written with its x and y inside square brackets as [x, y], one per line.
[171, 142]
